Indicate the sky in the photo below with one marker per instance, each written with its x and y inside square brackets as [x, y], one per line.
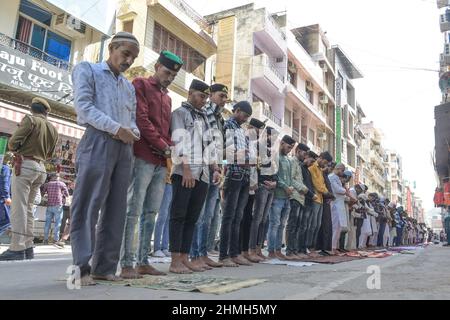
[388, 40]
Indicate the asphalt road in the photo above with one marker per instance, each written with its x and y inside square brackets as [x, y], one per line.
[424, 275]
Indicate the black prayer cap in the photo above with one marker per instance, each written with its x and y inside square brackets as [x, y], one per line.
[327, 156]
[219, 87]
[312, 154]
[199, 86]
[272, 130]
[243, 106]
[303, 147]
[170, 60]
[288, 139]
[258, 124]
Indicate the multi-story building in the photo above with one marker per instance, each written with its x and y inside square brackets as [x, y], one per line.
[442, 111]
[310, 104]
[375, 173]
[252, 58]
[40, 41]
[394, 167]
[361, 158]
[346, 107]
[168, 25]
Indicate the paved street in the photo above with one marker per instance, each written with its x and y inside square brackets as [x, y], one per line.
[423, 275]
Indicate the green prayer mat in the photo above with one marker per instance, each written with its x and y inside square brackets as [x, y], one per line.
[189, 283]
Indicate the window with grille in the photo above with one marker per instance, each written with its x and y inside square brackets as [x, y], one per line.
[194, 62]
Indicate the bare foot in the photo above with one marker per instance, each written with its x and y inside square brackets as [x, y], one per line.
[280, 256]
[228, 263]
[178, 267]
[192, 266]
[272, 256]
[87, 281]
[211, 263]
[301, 256]
[130, 273]
[108, 277]
[291, 257]
[200, 263]
[254, 258]
[241, 261]
[149, 270]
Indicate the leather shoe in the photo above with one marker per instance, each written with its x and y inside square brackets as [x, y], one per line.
[29, 253]
[9, 255]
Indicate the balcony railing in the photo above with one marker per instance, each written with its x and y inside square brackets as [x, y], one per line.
[274, 23]
[277, 73]
[191, 13]
[271, 116]
[295, 135]
[34, 52]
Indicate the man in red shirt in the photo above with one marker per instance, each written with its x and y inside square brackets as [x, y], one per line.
[153, 118]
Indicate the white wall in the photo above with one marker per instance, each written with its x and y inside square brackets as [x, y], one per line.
[8, 17]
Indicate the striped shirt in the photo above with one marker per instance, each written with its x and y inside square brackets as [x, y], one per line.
[236, 141]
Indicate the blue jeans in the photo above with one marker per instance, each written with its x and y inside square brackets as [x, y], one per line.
[55, 212]
[214, 226]
[199, 246]
[277, 221]
[161, 237]
[144, 200]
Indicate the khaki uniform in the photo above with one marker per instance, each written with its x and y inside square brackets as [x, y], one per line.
[35, 138]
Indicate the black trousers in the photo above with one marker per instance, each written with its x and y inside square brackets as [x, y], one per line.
[236, 188]
[185, 209]
[246, 224]
[325, 238]
[342, 240]
[359, 223]
[293, 227]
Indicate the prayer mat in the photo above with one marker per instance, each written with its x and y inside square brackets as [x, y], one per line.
[332, 259]
[189, 283]
[369, 254]
[398, 249]
[288, 263]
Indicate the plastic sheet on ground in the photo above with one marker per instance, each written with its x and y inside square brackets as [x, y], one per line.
[159, 260]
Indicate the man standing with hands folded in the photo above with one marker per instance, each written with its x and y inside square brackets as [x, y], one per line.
[105, 103]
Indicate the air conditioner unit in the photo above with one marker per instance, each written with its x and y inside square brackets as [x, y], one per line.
[292, 67]
[443, 3]
[445, 21]
[309, 85]
[322, 136]
[69, 25]
[323, 98]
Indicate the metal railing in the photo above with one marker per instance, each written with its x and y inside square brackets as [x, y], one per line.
[274, 70]
[271, 116]
[190, 12]
[34, 52]
[295, 135]
[277, 27]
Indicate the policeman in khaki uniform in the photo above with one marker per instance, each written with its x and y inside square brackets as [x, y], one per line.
[33, 143]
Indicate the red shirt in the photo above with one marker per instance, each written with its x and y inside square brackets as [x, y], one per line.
[153, 116]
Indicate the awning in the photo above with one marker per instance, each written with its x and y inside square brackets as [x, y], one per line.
[15, 114]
